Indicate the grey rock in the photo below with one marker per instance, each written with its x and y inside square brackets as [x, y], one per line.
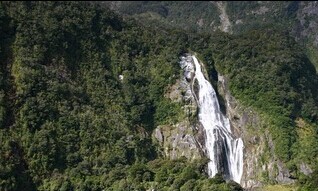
[283, 174]
[257, 141]
[304, 168]
[180, 139]
[158, 135]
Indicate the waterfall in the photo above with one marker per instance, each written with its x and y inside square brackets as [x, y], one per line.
[223, 149]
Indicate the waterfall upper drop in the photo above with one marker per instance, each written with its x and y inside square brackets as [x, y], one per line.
[223, 149]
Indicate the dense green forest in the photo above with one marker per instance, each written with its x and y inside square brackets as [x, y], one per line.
[68, 121]
[296, 17]
[271, 73]
[204, 16]
[276, 78]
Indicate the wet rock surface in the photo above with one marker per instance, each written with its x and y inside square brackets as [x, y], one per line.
[260, 162]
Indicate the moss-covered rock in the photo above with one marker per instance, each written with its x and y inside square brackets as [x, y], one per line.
[181, 139]
[261, 166]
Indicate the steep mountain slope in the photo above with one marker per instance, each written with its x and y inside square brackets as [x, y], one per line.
[298, 17]
[82, 91]
[269, 73]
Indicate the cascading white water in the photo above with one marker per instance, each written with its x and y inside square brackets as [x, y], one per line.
[223, 149]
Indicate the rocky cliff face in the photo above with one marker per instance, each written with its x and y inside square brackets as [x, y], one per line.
[260, 164]
[178, 140]
[186, 137]
[306, 26]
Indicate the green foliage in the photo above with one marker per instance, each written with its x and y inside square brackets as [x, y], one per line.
[185, 15]
[180, 175]
[73, 123]
[167, 112]
[309, 182]
[2, 109]
[81, 91]
[269, 72]
[217, 183]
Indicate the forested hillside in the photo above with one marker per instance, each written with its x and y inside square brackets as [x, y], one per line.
[68, 121]
[81, 91]
[298, 18]
[269, 72]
